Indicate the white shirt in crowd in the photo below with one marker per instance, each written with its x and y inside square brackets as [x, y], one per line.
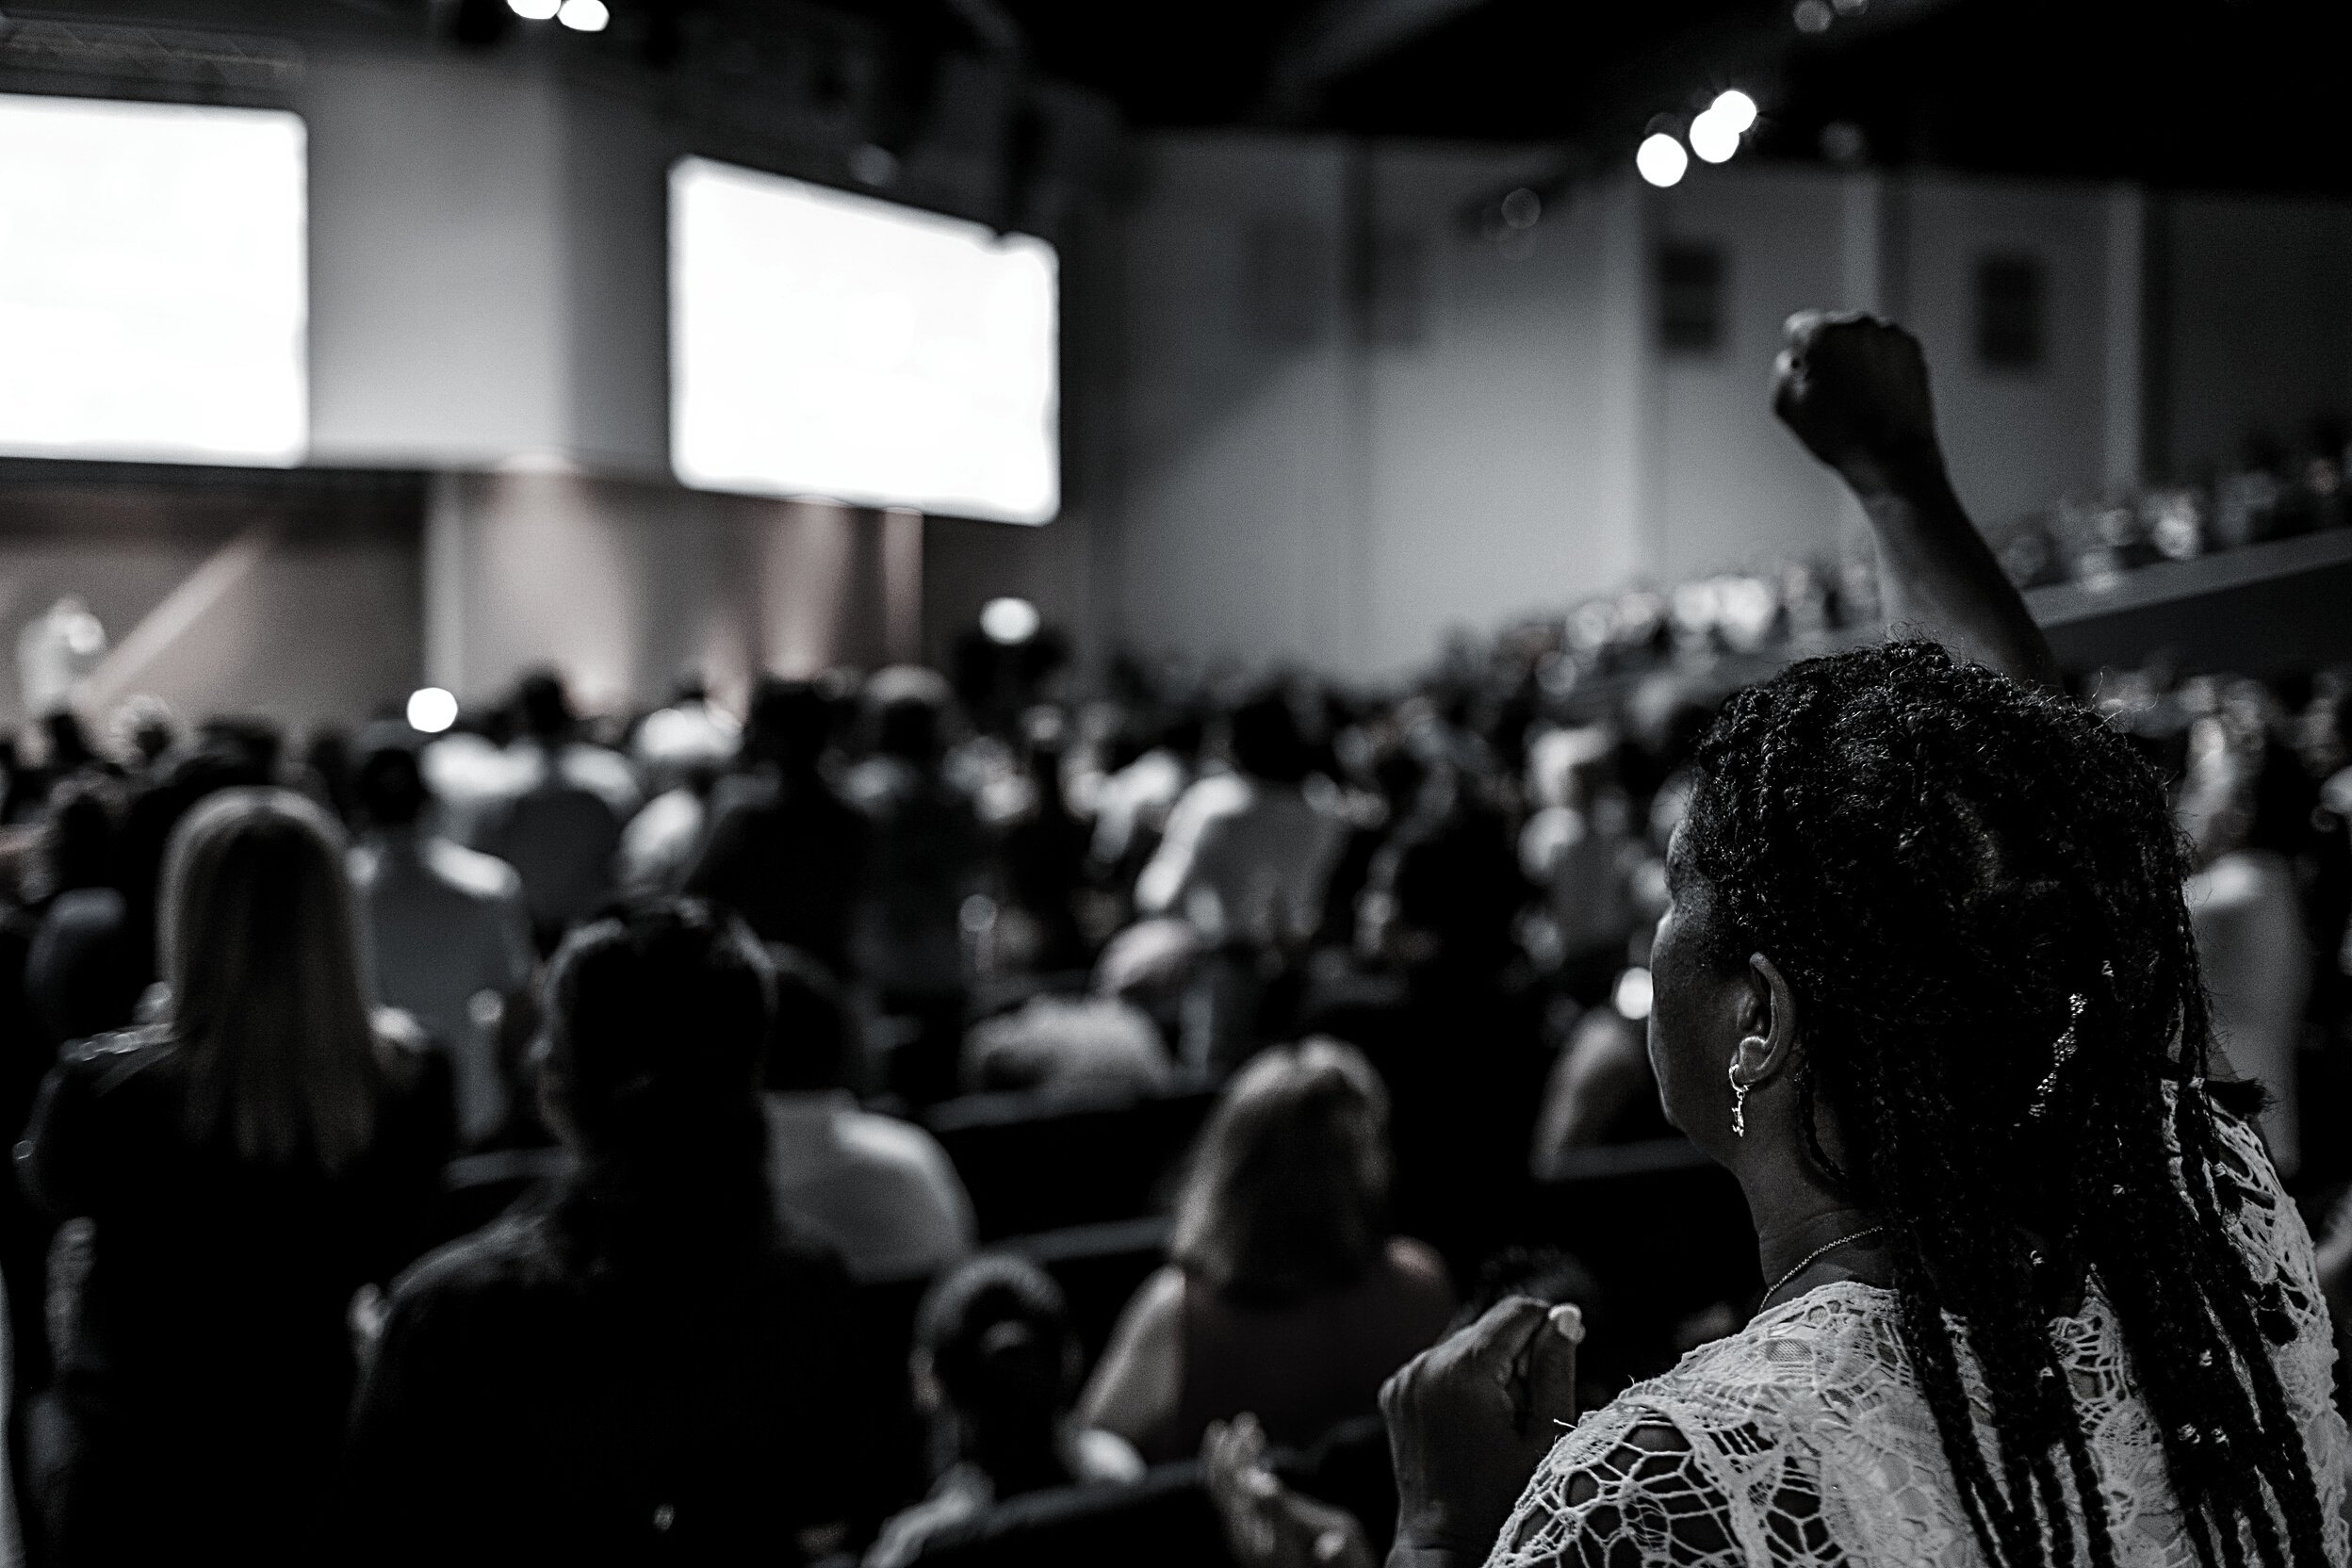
[880, 1190]
[557, 820]
[658, 845]
[445, 923]
[1243, 859]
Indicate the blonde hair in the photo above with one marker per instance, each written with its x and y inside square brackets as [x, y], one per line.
[1287, 1192]
[260, 942]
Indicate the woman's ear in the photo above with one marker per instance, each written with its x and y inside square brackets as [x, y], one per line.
[1768, 1022]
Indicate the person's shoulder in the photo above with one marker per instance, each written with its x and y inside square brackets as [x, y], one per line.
[1216, 794]
[1416, 1265]
[887, 1140]
[1788, 1365]
[483, 878]
[513, 1255]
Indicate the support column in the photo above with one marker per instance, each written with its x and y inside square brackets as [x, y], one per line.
[902, 583]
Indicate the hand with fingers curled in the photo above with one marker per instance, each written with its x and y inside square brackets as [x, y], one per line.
[1266, 1523]
[1468, 1422]
[1853, 389]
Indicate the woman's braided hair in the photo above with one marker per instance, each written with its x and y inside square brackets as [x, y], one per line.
[1974, 890]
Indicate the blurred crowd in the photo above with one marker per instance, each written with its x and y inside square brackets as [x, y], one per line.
[700, 991]
[2277, 490]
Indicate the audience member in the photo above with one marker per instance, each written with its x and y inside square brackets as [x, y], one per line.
[784, 850]
[879, 1190]
[1284, 1295]
[1455, 1034]
[558, 819]
[248, 1163]
[928, 856]
[447, 934]
[82, 976]
[1043, 851]
[1091, 1045]
[646, 1364]
[1247, 855]
[994, 1366]
[681, 751]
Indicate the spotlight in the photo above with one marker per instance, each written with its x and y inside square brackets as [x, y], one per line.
[431, 709]
[535, 10]
[1812, 16]
[585, 16]
[1734, 108]
[1633, 994]
[1661, 159]
[1712, 137]
[1009, 622]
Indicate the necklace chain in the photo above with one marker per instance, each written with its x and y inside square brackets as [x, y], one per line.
[1819, 1253]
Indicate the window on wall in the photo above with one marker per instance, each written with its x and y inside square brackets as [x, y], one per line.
[2012, 313]
[1690, 289]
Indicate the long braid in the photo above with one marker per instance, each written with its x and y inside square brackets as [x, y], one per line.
[1973, 889]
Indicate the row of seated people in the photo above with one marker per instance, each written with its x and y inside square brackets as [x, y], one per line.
[647, 1352]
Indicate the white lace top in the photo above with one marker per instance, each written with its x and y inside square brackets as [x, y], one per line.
[1804, 1439]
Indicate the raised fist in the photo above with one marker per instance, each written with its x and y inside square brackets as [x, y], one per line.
[1853, 388]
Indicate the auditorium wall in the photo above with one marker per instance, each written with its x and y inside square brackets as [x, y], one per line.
[1353, 420]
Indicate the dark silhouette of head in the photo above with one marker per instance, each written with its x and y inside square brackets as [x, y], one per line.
[993, 1348]
[656, 1024]
[906, 712]
[389, 787]
[1454, 891]
[544, 707]
[790, 724]
[1264, 741]
[808, 1040]
[84, 816]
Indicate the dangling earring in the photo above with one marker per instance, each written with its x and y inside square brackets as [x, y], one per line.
[1738, 1102]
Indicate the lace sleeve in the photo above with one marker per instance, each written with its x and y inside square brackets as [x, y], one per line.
[1628, 1487]
[2284, 1266]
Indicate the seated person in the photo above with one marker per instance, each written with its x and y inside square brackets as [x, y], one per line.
[647, 1362]
[994, 1366]
[1284, 1295]
[877, 1189]
[1099, 1044]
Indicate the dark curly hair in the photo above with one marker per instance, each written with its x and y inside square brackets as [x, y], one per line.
[1955, 873]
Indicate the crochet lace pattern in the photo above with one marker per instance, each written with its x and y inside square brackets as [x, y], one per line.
[1802, 1440]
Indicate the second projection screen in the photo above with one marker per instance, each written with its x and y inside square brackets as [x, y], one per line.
[828, 344]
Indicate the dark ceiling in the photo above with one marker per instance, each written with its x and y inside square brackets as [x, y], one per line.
[2214, 93]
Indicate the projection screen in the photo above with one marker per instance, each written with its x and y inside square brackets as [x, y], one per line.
[152, 282]
[830, 344]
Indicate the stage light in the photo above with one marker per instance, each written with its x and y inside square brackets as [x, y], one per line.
[431, 709]
[1633, 995]
[1010, 621]
[1735, 109]
[585, 16]
[1661, 159]
[535, 10]
[1713, 139]
[1811, 16]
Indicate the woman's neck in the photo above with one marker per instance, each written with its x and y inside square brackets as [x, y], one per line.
[1799, 1223]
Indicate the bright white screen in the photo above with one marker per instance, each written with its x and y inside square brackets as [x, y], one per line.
[153, 293]
[829, 345]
